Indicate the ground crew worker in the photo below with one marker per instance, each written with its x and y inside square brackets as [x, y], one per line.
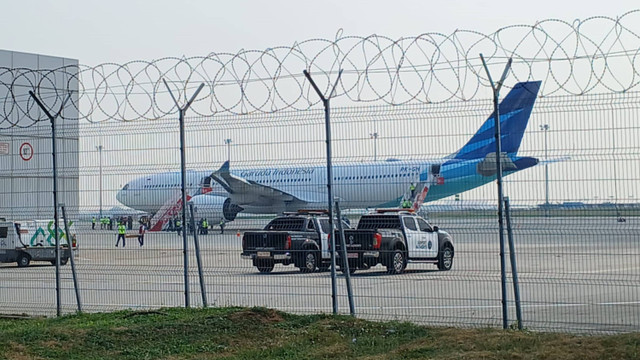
[221, 226]
[122, 230]
[178, 226]
[406, 204]
[93, 223]
[205, 227]
[413, 189]
[141, 234]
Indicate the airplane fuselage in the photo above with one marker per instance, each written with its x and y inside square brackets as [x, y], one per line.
[363, 185]
[356, 185]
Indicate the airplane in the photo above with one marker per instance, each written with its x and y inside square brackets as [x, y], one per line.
[221, 194]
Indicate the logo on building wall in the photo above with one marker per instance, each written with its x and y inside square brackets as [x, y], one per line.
[26, 151]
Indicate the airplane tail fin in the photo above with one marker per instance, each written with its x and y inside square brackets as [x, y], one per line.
[515, 110]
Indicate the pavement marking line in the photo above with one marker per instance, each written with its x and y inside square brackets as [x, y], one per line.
[488, 306]
[604, 270]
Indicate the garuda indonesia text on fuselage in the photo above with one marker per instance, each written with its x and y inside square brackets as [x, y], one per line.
[223, 193]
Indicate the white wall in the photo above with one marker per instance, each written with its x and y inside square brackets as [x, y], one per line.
[26, 186]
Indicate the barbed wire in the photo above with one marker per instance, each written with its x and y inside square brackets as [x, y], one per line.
[596, 54]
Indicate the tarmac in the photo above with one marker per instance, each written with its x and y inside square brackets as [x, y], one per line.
[579, 274]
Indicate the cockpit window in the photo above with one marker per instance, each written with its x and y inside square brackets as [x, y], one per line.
[125, 187]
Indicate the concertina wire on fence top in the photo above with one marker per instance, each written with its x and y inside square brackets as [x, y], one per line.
[598, 54]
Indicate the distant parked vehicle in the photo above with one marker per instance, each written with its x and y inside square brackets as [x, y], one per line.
[33, 240]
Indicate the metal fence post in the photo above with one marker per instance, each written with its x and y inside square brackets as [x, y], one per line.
[198, 259]
[327, 124]
[183, 171]
[496, 94]
[52, 119]
[71, 257]
[345, 260]
[512, 258]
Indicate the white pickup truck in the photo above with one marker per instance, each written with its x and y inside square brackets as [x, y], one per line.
[33, 240]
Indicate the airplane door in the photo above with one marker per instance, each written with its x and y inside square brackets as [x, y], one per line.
[413, 236]
[429, 238]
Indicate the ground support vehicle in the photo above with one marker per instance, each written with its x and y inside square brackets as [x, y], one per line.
[26, 241]
[404, 237]
[301, 239]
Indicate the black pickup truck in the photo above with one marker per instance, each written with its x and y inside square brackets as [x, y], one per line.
[301, 239]
[401, 236]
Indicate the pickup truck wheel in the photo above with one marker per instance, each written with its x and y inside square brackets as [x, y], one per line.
[265, 266]
[310, 262]
[352, 269]
[324, 268]
[23, 260]
[398, 262]
[445, 258]
[63, 261]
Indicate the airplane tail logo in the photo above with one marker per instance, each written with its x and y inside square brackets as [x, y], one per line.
[515, 110]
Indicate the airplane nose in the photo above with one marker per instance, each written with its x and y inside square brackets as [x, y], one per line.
[121, 195]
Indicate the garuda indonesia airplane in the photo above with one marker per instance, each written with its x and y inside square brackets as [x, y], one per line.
[223, 193]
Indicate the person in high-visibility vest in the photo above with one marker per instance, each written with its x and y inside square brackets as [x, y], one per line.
[413, 189]
[221, 226]
[406, 204]
[205, 227]
[93, 223]
[122, 230]
[178, 226]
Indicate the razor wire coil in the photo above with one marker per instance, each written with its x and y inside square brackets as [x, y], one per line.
[598, 54]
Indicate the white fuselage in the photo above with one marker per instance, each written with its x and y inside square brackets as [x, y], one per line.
[356, 185]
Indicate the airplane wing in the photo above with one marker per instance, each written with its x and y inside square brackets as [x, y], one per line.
[248, 192]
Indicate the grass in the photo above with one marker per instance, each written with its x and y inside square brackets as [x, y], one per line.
[259, 333]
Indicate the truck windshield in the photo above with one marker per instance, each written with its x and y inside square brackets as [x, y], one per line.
[379, 222]
[287, 224]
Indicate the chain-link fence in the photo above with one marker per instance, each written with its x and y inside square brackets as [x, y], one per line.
[574, 214]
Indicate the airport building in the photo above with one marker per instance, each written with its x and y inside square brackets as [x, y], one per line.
[26, 160]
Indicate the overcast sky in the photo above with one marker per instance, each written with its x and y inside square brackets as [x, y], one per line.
[118, 31]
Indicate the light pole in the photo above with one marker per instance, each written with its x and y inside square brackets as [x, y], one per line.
[545, 128]
[374, 136]
[228, 142]
[99, 148]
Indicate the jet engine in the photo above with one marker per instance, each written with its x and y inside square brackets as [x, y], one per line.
[214, 208]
